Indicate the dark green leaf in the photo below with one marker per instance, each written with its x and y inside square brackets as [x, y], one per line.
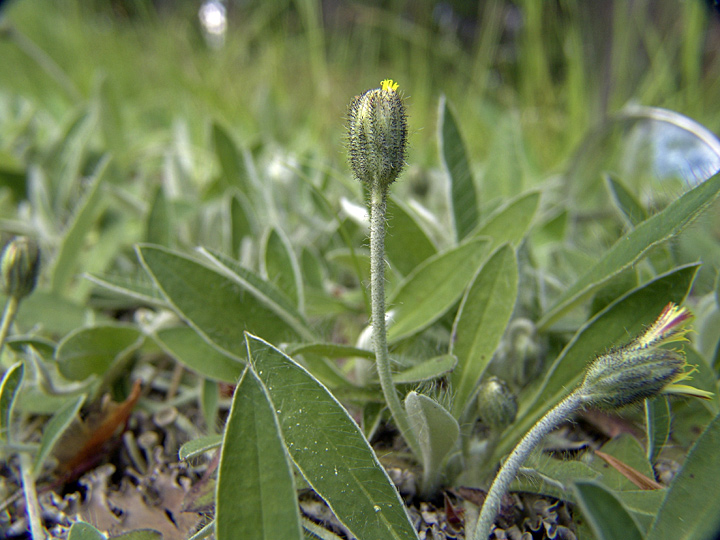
[255, 489]
[607, 516]
[511, 221]
[329, 449]
[657, 425]
[158, 228]
[691, 509]
[463, 198]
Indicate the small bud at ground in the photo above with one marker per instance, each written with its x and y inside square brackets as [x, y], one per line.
[19, 266]
[496, 404]
[377, 135]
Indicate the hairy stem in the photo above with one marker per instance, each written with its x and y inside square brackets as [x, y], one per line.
[31, 501]
[11, 308]
[378, 202]
[512, 464]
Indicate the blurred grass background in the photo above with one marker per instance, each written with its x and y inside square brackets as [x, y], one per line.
[542, 72]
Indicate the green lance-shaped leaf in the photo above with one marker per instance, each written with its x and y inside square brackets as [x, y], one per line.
[232, 165]
[73, 240]
[436, 431]
[511, 221]
[631, 247]
[93, 350]
[214, 301]
[84, 531]
[625, 317]
[433, 288]
[280, 267]
[159, 228]
[691, 509]
[197, 447]
[405, 232]
[187, 347]
[54, 429]
[607, 516]
[628, 205]
[9, 387]
[463, 198]
[481, 320]
[657, 425]
[255, 488]
[329, 449]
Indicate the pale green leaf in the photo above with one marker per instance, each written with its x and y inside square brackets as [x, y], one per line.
[189, 348]
[511, 221]
[480, 323]
[84, 531]
[54, 429]
[9, 387]
[197, 447]
[93, 350]
[626, 251]
[433, 288]
[406, 242]
[280, 267]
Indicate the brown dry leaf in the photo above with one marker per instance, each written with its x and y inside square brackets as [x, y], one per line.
[83, 442]
[635, 476]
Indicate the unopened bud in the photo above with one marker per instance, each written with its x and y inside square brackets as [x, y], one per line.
[19, 266]
[496, 404]
[377, 135]
[624, 377]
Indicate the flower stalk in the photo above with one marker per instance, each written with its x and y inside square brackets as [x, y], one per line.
[377, 139]
[621, 377]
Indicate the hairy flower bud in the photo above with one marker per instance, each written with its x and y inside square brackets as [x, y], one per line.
[640, 369]
[377, 135]
[496, 404]
[623, 377]
[19, 266]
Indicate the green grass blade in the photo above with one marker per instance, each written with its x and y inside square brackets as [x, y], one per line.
[481, 320]
[329, 449]
[691, 509]
[606, 514]
[433, 288]
[630, 248]
[463, 198]
[255, 488]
